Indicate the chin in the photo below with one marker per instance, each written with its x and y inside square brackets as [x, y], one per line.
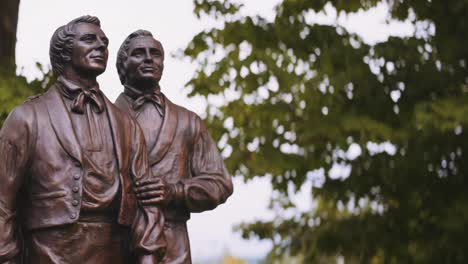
[148, 79]
[97, 70]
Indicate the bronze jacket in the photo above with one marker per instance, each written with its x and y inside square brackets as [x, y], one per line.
[185, 155]
[42, 167]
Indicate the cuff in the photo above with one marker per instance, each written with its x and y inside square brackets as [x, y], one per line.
[147, 259]
[178, 193]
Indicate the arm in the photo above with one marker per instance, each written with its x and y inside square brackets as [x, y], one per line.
[16, 146]
[209, 186]
[147, 229]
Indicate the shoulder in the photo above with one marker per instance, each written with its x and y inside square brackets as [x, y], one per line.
[33, 106]
[182, 111]
[47, 97]
[25, 110]
[122, 118]
[187, 119]
[121, 102]
[32, 98]
[116, 111]
[22, 116]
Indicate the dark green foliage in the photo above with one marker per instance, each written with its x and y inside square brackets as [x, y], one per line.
[14, 90]
[215, 8]
[333, 90]
[8, 25]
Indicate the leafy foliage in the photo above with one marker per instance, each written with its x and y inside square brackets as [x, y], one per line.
[301, 98]
[16, 89]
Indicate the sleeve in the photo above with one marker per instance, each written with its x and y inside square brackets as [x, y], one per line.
[210, 184]
[147, 229]
[16, 143]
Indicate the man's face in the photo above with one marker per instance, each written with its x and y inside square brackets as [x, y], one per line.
[89, 55]
[145, 61]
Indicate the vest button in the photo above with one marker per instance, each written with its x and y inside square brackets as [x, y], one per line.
[75, 189]
[76, 176]
[75, 202]
[73, 215]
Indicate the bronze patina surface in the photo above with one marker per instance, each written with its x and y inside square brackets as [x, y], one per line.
[70, 159]
[188, 171]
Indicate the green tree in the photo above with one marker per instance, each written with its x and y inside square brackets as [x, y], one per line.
[14, 89]
[8, 25]
[299, 95]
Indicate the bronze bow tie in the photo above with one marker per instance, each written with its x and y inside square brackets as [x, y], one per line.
[140, 98]
[153, 97]
[84, 96]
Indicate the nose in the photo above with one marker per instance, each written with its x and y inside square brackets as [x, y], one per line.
[100, 45]
[148, 57]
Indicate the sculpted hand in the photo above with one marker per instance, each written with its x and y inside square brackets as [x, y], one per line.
[154, 191]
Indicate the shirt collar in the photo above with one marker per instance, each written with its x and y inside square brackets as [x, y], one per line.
[71, 89]
[135, 93]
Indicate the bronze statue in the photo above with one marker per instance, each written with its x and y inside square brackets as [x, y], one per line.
[188, 172]
[68, 161]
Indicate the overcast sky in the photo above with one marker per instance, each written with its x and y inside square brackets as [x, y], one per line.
[173, 23]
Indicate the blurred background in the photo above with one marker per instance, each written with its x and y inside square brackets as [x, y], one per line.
[342, 122]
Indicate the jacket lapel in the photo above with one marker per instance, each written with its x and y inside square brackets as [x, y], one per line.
[123, 102]
[167, 133]
[62, 125]
[121, 138]
[118, 135]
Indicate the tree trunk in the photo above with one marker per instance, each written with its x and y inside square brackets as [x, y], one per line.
[8, 24]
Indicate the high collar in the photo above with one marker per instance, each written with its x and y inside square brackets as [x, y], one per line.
[139, 98]
[81, 96]
[70, 89]
[135, 93]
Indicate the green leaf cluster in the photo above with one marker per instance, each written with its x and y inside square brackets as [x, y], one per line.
[15, 89]
[301, 96]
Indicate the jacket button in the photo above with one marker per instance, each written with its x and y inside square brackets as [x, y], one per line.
[75, 202]
[76, 176]
[73, 215]
[75, 189]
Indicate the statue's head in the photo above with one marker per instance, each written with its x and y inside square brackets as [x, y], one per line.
[80, 47]
[140, 59]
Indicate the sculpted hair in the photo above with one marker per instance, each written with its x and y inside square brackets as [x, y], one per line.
[122, 55]
[61, 43]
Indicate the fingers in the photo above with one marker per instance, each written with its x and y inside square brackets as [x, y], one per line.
[148, 181]
[150, 195]
[154, 201]
[148, 188]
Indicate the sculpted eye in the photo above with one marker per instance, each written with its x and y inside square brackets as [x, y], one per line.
[88, 38]
[137, 53]
[105, 41]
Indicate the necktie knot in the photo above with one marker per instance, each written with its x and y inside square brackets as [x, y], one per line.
[80, 96]
[140, 98]
[90, 96]
[88, 92]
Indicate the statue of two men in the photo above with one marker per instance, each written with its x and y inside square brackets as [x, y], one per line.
[87, 181]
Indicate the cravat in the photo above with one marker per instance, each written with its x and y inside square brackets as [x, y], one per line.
[82, 96]
[140, 98]
[87, 95]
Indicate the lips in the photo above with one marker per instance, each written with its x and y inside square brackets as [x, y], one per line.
[98, 57]
[148, 69]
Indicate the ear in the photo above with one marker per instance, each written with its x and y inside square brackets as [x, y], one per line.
[67, 50]
[65, 57]
[122, 71]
